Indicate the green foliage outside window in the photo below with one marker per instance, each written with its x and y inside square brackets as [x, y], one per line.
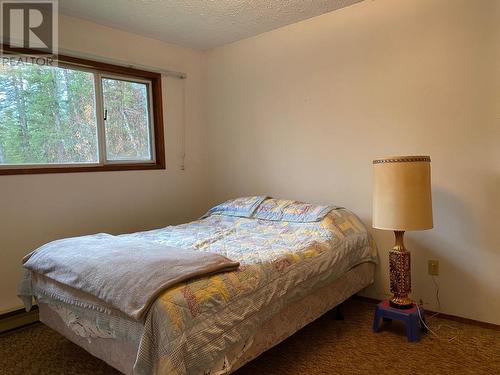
[48, 115]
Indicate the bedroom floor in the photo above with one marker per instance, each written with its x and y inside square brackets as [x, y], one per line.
[326, 346]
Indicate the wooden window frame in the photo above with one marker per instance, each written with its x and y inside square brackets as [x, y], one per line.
[158, 142]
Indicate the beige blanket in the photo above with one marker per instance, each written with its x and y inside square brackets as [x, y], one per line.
[125, 273]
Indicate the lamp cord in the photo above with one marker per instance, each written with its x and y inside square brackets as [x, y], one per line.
[437, 293]
[434, 332]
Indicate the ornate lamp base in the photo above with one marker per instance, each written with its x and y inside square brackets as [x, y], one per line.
[400, 274]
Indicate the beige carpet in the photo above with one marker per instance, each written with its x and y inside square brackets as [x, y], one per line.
[326, 346]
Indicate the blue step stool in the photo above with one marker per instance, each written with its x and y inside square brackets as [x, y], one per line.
[409, 317]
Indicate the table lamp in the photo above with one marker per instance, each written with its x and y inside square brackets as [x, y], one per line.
[401, 202]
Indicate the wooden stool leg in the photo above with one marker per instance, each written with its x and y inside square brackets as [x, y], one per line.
[414, 328]
[376, 320]
[409, 328]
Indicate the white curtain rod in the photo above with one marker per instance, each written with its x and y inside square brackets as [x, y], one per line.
[170, 73]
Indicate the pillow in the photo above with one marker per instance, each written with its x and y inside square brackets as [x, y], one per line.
[289, 210]
[243, 207]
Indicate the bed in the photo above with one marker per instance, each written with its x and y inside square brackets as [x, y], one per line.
[297, 261]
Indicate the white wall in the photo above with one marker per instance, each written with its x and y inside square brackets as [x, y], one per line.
[300, 112]
[35, 209]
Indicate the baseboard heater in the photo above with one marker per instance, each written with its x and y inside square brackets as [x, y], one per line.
[17, 319]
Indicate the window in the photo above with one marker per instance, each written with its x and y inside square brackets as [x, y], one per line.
[126, 119]
[79, 116]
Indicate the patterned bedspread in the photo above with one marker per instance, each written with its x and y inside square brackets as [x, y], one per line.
[200, 323]
[280, 261]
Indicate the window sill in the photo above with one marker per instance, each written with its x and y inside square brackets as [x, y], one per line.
[84, 168]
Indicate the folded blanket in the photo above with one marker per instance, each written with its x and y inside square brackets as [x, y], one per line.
[125, 273]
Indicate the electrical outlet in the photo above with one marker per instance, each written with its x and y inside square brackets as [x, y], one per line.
[433, 267]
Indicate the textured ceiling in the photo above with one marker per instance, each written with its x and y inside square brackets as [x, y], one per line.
[199, 24]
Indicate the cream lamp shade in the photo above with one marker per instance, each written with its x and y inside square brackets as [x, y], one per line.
[402, 193]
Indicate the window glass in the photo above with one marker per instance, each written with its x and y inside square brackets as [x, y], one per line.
[47, 115]
[127, 120]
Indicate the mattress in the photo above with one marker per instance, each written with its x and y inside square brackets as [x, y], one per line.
[208, 326]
